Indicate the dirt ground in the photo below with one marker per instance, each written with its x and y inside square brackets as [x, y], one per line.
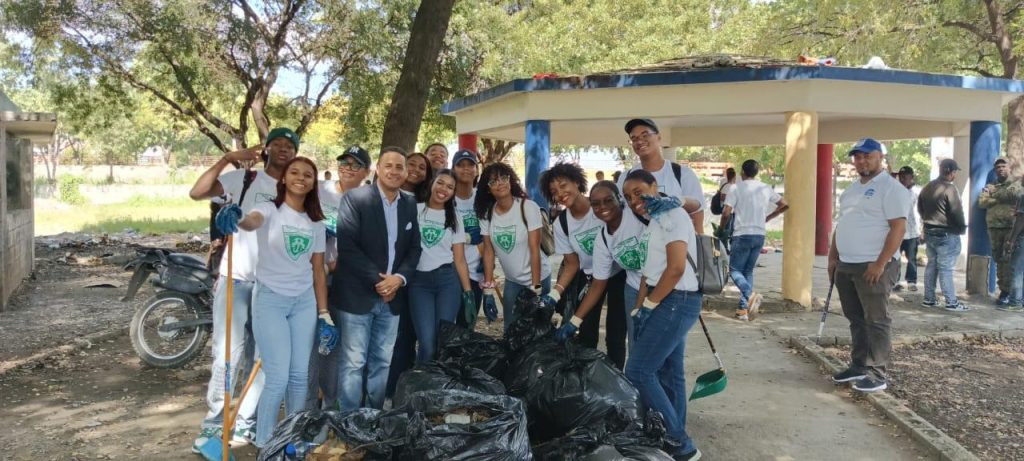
[971, 390]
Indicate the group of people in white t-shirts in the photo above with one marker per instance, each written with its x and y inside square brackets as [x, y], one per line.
[425, 241]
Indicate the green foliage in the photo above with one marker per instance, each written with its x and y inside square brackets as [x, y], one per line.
[144, 214]
[68, 189]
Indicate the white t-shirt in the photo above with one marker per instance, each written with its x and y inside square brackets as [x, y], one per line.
[288, 239]
[913, 217]
[672, 226]
[864, 214]
[688, 185]
[246, 251]
[330, 200]
[471, 227]
[750, 200]
[510, 239]
[626, 250]
[580, 240]
[436, 240]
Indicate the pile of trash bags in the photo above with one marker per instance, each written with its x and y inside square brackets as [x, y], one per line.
[519, 398]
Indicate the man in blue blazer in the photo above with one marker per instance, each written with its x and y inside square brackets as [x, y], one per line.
[378, 249]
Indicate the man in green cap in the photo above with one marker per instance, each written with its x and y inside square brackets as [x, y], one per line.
[1000, 198]
[260, 187]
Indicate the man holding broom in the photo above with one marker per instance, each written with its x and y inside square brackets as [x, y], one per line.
[260, 187]
[863, 266]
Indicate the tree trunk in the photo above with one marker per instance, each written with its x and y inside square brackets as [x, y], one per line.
[1015, 136]
[409, 100]
[496, 150]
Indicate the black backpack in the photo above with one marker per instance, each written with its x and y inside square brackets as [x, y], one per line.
[716, 202]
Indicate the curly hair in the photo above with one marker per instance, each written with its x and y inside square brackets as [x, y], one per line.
[483, 204]
[312, 200]
[567, 171]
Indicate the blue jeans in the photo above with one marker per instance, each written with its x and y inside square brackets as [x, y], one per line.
[434, 296]
[367, 342]
[655, 364]
[743, 254]
[629, 295]
[508, 299]
[283, 327]
[242, 297]
[942, 249]
[909, 248]
[1017, 284]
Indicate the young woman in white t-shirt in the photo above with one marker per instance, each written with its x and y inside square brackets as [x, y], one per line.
[417, 182]
[510, 224]
[668, 306]
[566, 184]
[291, 288]
[434, 292]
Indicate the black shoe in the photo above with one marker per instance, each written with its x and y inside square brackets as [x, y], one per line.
[1004, 299]
[868, 385]
[691, 456]
[847, 375]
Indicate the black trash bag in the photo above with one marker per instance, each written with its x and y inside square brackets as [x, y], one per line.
[381, 435]
[567, 386]
[596, 444]
[468, 348]
[497, 431]
[533, 321]
[434, 376]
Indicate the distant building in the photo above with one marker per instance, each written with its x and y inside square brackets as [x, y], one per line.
[19, 131]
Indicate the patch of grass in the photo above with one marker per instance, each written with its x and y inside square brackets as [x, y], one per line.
[773, 235]
[144, 214]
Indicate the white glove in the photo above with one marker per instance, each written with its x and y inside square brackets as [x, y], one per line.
[326, 317]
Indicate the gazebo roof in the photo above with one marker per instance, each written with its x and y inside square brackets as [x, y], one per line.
[735, 100]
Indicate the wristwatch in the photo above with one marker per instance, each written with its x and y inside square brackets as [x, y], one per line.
[648, 303]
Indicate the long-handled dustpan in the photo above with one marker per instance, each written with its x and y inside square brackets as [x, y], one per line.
[824, 313]
[714, 381]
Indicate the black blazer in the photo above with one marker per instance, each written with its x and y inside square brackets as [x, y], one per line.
[363, 249]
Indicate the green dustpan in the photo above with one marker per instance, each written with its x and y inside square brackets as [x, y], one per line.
[714, 381]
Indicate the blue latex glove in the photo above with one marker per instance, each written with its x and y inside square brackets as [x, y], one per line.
[490, 306]
[331, 231]
[550, 300]
[640, 316]
[657, 206]
[567, 330]
[227, 219]
[327, 333]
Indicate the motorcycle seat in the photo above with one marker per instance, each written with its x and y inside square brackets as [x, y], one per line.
[187, 260]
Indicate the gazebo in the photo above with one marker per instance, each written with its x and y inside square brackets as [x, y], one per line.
[735, 100]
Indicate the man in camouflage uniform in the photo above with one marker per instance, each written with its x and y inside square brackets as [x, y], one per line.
[1000, 199]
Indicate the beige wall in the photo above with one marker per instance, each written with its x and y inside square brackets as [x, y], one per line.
[16, 226]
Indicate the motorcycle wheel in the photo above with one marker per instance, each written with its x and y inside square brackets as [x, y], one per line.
[168, 349]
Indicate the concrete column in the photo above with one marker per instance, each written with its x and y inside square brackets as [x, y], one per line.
[538, 151]
[985, 138]
[798, 230]
[823, 201]
[469, 142]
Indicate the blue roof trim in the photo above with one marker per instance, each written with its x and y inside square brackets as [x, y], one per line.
[733, 75]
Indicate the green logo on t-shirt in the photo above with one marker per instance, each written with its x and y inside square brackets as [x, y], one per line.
[297, 241]
[505, 237]
[631, 253]
[264, 198]
[586, 239]
[330, 218]
[469, 220]
[431, 233]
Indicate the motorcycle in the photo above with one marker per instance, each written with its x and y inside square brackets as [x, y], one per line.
[172, 327]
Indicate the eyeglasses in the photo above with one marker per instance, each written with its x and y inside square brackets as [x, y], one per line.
[499, 180]
[606, 203]
[641, 137]
[350, 165]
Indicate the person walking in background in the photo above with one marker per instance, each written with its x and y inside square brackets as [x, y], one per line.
[434, 293]
[912, 236]
[1015, 251]
[863, 266]
[379, 242]
[1000, 199]
[943, 217]
[599, 175]
[510, 224]
[747, 206]
[437, 153]
[291, 288]
[327, 175]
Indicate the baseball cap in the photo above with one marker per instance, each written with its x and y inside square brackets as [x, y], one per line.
[464, 154]
[282, 132]
[907, 170]
[641, 122]
[948, 165]
[358, 153]
[867, 145]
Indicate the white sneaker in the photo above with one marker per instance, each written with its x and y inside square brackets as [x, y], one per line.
[754, 303]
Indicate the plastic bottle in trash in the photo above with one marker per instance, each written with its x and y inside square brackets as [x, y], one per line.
[296, 451]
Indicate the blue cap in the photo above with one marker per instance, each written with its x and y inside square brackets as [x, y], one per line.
[867, 145]
[465, 154]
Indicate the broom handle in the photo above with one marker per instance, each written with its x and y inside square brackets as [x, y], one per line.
[245, 390]
[708, 335]
[824, 311]
[226, 436]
